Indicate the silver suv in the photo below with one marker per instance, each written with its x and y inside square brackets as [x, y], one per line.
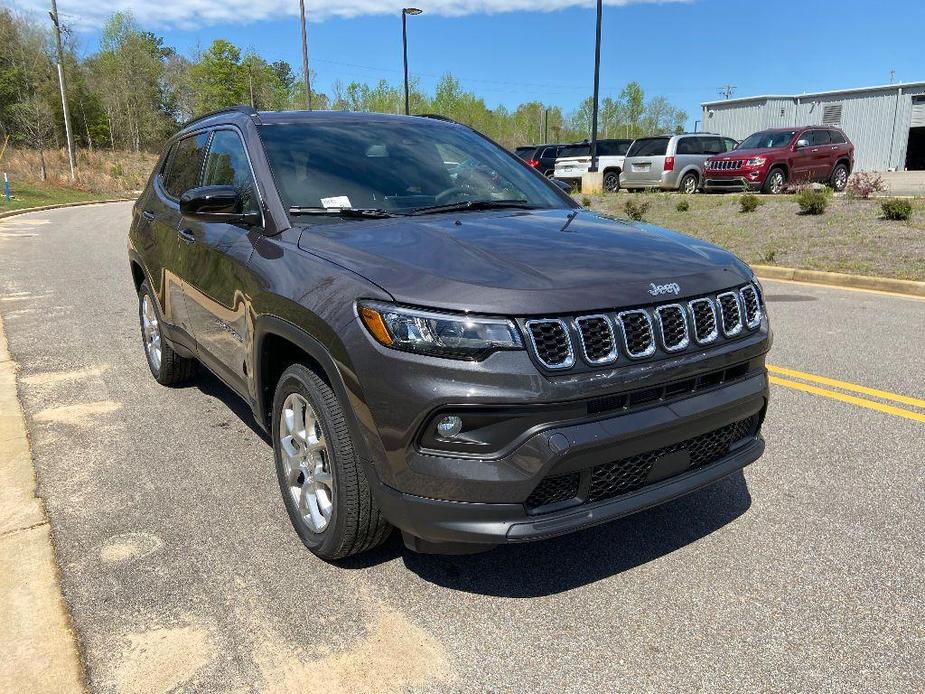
[671, 162]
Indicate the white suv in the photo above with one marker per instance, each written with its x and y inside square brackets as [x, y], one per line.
[574, 160]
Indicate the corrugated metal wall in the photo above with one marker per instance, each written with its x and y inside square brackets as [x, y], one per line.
[866, 117]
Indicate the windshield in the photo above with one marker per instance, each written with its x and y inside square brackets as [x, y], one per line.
[769, 139]
[394, 165]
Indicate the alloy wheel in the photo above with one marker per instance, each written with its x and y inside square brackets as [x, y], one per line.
[777, 182]
[307, 463]
[690, 185]
[841, 179]
[151, 332]
[611, 182]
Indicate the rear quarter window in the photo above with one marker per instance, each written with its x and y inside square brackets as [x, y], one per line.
[649, 147]
[837, 137]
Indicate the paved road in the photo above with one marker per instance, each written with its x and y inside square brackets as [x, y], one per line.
[180, 568]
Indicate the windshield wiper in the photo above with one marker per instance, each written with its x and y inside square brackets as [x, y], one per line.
[475, 205]
[354, 212]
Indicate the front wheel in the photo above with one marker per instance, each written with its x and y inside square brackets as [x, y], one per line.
[775, 182]
[325, 491]
[839, 179]
[689, 183]
[611, 181]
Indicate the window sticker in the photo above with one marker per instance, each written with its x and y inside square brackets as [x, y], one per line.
[337, 201]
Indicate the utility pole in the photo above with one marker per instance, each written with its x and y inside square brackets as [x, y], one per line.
[546, 126]
[308, 88]
[727, 90]
[414, 12]
[63, 84]
[597, 81]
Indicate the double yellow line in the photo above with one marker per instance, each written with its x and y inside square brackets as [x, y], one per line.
[776, 378]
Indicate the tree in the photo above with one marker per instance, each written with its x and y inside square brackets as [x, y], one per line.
[218, 80]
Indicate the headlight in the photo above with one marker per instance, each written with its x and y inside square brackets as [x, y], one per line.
[757, 161]
[456, 336]
[708, 164]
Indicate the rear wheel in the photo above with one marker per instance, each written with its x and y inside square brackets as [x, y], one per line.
[611, 181]
[689, 183]
[775, 182]
[325, 491]
[839, 179]
[168, 367]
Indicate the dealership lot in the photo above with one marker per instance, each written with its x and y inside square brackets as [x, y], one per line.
[180, 569]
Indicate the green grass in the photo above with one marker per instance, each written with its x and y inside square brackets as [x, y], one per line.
[851, 236]
[36, 195]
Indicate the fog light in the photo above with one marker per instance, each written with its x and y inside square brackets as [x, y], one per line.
[449, 427]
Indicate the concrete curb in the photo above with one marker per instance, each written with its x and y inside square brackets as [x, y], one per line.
[840, 279]
[26, 210]
[36, 638]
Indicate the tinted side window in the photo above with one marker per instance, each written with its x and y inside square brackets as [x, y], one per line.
[713, 145]
[185, 163]
[730, 144]
[649, 147]
[836, 137]
[227, 165]
[820, 137]
[548, 153]
[689, 145]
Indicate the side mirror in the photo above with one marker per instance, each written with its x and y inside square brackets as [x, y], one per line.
[216, 204]
[801, 143]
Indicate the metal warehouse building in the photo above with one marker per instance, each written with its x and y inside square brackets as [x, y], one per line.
[886, 124]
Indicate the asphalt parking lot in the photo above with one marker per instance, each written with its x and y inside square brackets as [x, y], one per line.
[180, 569]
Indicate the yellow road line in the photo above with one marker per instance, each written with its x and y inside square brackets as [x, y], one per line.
[844, 385]
[882, 292]
[860, 402]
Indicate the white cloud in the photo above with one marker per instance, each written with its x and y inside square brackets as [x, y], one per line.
[192, 13]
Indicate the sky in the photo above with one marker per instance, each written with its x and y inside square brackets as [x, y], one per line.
[512, 51]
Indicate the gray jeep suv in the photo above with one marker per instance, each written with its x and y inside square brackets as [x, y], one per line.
[435, 336]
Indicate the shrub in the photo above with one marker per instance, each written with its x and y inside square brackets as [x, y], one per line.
[585, 201]
[683, 206]
[749, 202]
[896, 209]
[813, 200]
[862, 185]
[636, 209]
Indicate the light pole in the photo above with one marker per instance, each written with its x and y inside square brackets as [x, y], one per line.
[63, 84]
[308, 89]
[597, 80]
[413, 11]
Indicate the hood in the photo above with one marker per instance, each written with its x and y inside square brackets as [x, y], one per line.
[517, 262]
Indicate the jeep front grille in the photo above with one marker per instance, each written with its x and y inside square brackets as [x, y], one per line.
[637, 333]
[730, 165]
[597, 339]
[730, 313]
[551, 341]
[672, 324]
[752, 305]
[600, 339]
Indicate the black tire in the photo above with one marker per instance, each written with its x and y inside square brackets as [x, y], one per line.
[839, 178]
[611, 181]
[356, 523]
[774, 182]
[170, 369]
[689, 183]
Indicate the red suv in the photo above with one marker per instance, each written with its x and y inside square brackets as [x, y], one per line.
[769, 159]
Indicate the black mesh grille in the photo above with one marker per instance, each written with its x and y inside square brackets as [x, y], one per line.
[729, 309]
[551, 342]
[704, 320]
[674, 327]
[613, 479]
[597, 339]
[637, 331]
[554, 489]
[752, 306]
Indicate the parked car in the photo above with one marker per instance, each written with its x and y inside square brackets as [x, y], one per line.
[423, 345]
[769, 159]
[575, 160]
[543, 158]
[671, 162]
[526, 152]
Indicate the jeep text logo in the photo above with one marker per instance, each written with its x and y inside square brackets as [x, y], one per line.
[671, 288]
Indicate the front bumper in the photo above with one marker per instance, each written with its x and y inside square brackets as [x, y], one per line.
[713, 183]
[583, 449]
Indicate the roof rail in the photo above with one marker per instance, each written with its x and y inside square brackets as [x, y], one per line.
[246, 110]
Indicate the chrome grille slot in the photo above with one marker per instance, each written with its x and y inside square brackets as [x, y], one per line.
[672, 324]
[638, 337]
[730, 313]
[752, 306]
[703, 315]
[597, 339]
[551, 342]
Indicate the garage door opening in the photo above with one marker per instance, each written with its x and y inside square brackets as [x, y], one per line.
[915, 152]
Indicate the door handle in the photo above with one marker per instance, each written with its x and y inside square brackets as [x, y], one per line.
[148, 216]
[187, 236]
[815, 150]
